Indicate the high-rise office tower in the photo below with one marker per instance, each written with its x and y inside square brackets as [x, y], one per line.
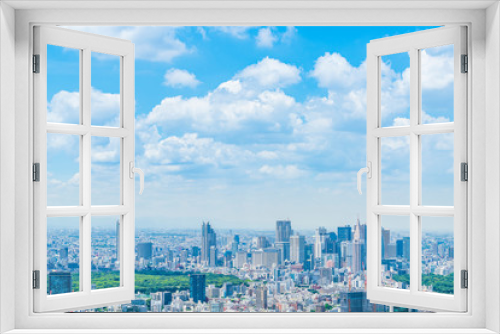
[320, 242]
[59, 282]
[145, 250]
[262, 242]
[344, 233]
[261, 298]
[386, 240]
[271, 258]
[208, 238]
[212, 260]
[283, 230]
[118, 240]
[399, 248]
[357, 256]
[297, 248]
[197, 287]
[406, 248]
[283, 234]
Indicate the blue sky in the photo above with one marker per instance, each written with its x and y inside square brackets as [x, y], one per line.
[245, 125]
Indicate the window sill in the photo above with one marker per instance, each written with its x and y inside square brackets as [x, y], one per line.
[250, 331]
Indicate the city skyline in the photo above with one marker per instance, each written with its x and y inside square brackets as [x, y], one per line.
[262, 132]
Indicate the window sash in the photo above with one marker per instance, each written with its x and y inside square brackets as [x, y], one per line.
[412, 43]
[86, 43]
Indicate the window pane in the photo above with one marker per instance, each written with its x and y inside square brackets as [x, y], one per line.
[63, 169]
[105, 252]
[437, 84]
[395, 170]
[63, 255]
[106, 171]
[438, 251]
[63, 85]
[437, 169]
[105, 95]
[395, 251]
[395, 90]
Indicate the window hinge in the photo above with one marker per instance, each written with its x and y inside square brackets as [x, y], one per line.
[465, 279]
[464, 171]
[36, 63]
[36, 279]
[465, 64]
[36, 172]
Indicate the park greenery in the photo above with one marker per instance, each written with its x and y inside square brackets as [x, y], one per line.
[439, 283]
[149, 281]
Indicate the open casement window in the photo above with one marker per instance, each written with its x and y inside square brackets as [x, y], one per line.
[83, 169]
[416, 147]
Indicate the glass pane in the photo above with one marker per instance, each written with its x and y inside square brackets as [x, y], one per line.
[106, 171]
[105, 95]
[63, 85]
[395, 170]
[395, 90]
[105, 252]
[437, 84]
[63, 169]
[437, 169]
[63, 255]
[438, 251]
[395, 248]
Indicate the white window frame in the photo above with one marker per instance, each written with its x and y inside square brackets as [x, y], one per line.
[413, 43]
[484, 49]
[85, 43]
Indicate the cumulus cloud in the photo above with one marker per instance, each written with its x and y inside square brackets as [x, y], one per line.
[158, 44]
[192, 149]
[180, 78]
[271, 73]
[334, 72]
[437, 67]
[253, 95]
[64, 107]
[265, 38]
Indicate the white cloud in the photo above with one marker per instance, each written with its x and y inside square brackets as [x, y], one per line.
[64, 107]
[180, 78]
[282, 172]
[437, 67]
[191, 149]
[158, 44]
[289, 34]
[237, 32]
[265, 38]
[332, 71]
[270, 73]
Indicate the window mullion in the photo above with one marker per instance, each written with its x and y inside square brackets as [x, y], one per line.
[86, 236]
[414, 169]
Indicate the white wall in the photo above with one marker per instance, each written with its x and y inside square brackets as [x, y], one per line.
[7, 160]
[493, 163]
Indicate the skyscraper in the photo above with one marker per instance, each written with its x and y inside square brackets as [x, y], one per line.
[344, 233]
[145, 250]
[283, 230]
[59, 282]
[212, 260]
[283, 234]
[319, 242]
[261, 298]
[197, 287]
[386, 240]
[208, 238]
[406, 248]
[297, 248]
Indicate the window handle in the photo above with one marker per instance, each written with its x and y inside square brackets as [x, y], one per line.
[368, 171]
[132, 171]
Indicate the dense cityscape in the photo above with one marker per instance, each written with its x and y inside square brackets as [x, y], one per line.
[247, 270]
